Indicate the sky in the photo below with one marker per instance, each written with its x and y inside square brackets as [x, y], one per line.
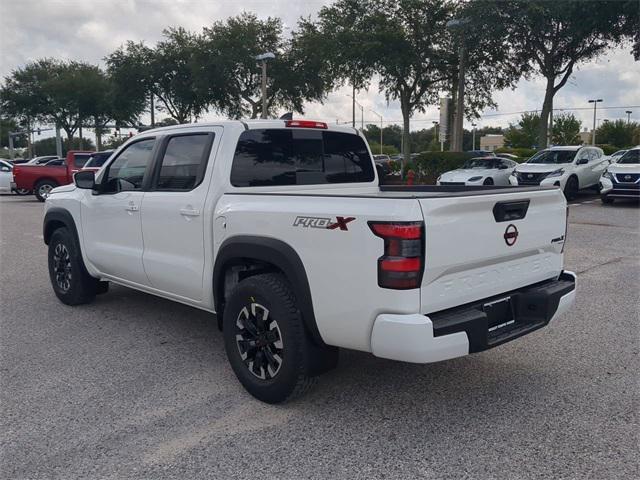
[88, 30]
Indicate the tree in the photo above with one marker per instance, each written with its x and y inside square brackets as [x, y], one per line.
[552, 38]
[617, 133]
[11, 125]
[47, 146]
[166, 71]
[347, 50]
[566, 130]
[524, 134]
[230, 78]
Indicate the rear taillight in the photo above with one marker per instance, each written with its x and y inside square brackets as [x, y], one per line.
[402, 264]
[305, 124]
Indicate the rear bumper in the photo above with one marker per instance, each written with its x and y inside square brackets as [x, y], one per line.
[471, 328]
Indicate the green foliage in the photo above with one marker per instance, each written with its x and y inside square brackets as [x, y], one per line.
[228, 77]
[524, 134]
[10, 125]
[386, 149]
[608, 149]
[617, 133]
[551, 38]
[566, 130]
[47, 146]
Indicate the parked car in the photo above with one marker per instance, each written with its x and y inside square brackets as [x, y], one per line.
[383, 164]
[6, 176]
[614, 157]
[97, 159]
[41, 179]
[480, 171]
[571, 168]
[280, 227]
[622, 178]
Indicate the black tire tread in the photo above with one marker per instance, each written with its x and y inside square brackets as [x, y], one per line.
[37, 187]
[84, 289]
[279, 286]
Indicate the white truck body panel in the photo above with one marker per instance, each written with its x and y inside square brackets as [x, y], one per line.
[166, 243]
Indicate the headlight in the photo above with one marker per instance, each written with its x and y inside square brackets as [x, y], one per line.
[474, 179]
[556, 173]
[607, 175]
[439, 177]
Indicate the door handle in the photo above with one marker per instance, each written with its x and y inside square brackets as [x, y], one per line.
[132, 208]
[189, 212]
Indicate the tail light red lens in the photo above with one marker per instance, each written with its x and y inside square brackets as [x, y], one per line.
[402, 264]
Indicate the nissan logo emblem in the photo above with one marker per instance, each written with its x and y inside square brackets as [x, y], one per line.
[510, 235]
[530, 175]
[627, 177]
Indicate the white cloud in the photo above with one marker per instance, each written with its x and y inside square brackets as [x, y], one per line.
[89, 30]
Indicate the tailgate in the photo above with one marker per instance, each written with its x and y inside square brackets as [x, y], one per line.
[484, 245]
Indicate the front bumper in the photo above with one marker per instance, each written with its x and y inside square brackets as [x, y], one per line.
[474, 327]
[616, 189]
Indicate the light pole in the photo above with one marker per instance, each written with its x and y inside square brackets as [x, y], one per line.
[473, 141]
[435, 130]
[376, 113]
[263, 61]
[593, 134]
[361, 112]
[628, 112]
[458, 24]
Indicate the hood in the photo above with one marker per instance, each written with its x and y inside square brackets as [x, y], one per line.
[540, 167]
[64, 188]
[624, 168]
[464, 174]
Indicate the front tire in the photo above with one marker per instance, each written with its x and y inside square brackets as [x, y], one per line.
[265, 339]
[571, 188]
[488, 181]
[70, 280]
[606, 200]
[43, 189]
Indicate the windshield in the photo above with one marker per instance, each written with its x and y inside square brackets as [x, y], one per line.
[481, 163]
[553, 156]
[632, 156]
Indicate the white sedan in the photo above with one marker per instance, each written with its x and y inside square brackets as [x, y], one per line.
[480, 171]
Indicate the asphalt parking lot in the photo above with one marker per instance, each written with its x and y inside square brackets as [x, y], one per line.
[136, 387]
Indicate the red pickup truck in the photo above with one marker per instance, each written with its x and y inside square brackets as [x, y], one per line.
[41, 179]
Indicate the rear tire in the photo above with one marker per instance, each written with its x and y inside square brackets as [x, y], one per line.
[265, 339]
[70, 280]
[571, 188]
[22, 191]
[43, 189]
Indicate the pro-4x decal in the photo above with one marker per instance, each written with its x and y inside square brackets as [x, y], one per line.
[323, 222]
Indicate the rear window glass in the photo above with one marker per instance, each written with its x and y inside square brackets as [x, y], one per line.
[80, 159]
[271, 157]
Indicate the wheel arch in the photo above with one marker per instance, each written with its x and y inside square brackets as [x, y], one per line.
[56, 218]
[46, 179]
[269, 252]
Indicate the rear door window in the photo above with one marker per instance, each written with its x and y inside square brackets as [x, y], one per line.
[184, 162]
[273, 157]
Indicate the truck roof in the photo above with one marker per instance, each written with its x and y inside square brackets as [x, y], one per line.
[255, 124]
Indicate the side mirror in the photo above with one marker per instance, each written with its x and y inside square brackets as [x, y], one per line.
[4, 168]
[85, 179]
[582, 161]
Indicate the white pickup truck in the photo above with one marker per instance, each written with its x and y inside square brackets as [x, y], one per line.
[281, 229]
